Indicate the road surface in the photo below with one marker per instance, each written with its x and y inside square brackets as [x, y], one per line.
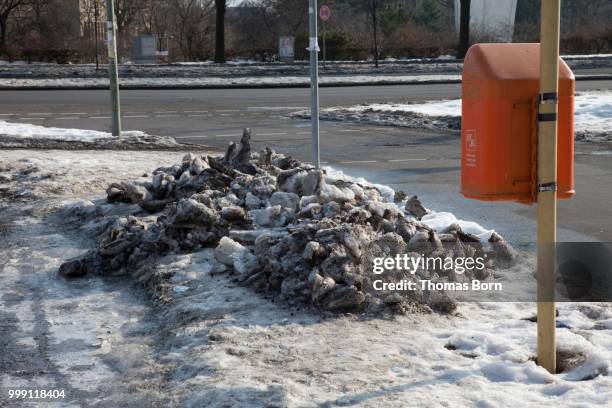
[418, 161]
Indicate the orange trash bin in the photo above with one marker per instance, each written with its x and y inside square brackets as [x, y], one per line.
[500, 94]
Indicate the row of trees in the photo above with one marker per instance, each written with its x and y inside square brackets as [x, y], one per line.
[357, 29]
[201, 29]
[29, 27]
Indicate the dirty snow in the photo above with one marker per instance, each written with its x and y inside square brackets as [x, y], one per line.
[438, 221]
[28, 131]
[433, 108]
[94, 338]
[221, 345]
[178, 82]
[593, 111]
[24, 135]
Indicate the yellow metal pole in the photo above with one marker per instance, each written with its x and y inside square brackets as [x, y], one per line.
[547, 181]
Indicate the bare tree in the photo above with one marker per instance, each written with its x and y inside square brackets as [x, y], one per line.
[464, 29]
[127, 13]
[292, 15]
[192, 26]
[93, 11]
[7, 10]
[373, 10]
[288, 17]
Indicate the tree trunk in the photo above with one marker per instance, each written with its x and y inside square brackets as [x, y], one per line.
[375, 29]
[3, 49]
[220, 31]
[464, 29]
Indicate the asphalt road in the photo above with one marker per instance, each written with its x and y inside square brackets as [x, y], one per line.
[418, 161]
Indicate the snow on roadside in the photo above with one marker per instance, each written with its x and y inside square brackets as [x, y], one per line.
[223, 81]
[592, 112]
[73, 175]
[28, 131]
[433, 108]
[25, 135]
[229, 82]
[225, 345]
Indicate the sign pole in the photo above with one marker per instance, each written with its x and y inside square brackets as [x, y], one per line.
[314, 82]
[324, 13]
[111, 36]
[324, 44]
[547, 181]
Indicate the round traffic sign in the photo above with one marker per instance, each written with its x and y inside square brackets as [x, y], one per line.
[324, 12]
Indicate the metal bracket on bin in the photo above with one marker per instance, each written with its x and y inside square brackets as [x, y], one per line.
[549, 98]
[547, 117]
[547, 187]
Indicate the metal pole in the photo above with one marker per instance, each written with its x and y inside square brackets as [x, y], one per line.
[314, 82]
[324, 45]
[547, 181]
[96, 34]
[112, 63]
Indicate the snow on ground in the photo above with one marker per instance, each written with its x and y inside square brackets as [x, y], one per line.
[438, 221]
[221, 345]
[28, 131]
[269, 355]
[592, 113]
[253, 81]
[25, 135]
[94, 338]
[586, 56]
[177, 82]
[433, 108]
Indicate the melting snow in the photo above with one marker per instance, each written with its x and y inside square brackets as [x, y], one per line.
[28, 131]
[593, 110]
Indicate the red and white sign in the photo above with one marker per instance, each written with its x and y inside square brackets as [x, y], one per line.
[324, 13]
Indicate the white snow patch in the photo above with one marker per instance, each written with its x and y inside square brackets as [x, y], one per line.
[28, 131]
[442, 220]
[435, 220]
[433, 108]
[334, 174]
[224, 81]
[592, 110]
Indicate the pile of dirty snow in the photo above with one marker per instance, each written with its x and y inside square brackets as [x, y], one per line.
[284, 228]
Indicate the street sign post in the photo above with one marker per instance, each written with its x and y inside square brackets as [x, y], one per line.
[111, 36]
[547, 181]
[286, 45]
[324, 13]
[314, 81]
